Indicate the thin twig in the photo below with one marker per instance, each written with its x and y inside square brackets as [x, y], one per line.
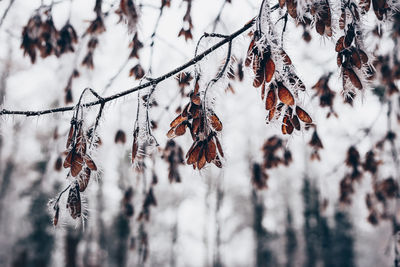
[140, 87]
[6, 12]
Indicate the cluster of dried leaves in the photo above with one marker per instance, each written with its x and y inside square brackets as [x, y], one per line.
[381, 7]
[325, 94]
[80, 164]
[351, 58]
[173, 155]
[203, 125]
[187, 27]
[384, 190]
[275, 153]
[279, 100]
[128, 13]
[41, 36]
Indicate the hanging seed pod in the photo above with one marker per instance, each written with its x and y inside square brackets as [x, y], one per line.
[303, 115]
[211, 151]
[215, 122]
[90, 163]
[363, 56]
[271, 113]
[180, 129]
[270, 102]
[320, 27]
[202, 158]
[193, 155]
[74, 201]
[263, 91]
[352, 76]
[296, 123]
[339, 44]
[291, 6]
[285, 95]
[58, 164]
[287, 127]
[355, 58]
[120, 137]
[269, 70]
[84, 178]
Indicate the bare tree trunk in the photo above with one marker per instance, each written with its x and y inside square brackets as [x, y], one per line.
[71, 248]
[264, 256]
[206, 216]
[174, 239]
[219, 201]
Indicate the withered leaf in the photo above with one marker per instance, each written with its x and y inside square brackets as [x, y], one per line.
[259, 78]
[211, 151]
[76, 164]
[339, 44]
[270, 102]
[178, 120]
[84, 178]
[74, 201]
[296, 122]
[263, 91]
[350, 74]
[363, 56]
[90, 163]
[202, 159]
[285, 95]
[271, 113]
[180, 129]
[355, 59]
[287, 126]
[303, 115]
[320, 27]
[194, 154]
[215, 122]
[68, 159]
[269, 70]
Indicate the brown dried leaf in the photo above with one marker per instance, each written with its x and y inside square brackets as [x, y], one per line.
[303, 115]
[215, 122]
[180, 129]
[339, 44]
[84, 178]
[350, 74]
[211, 151]
[269, 70]
[296, 122]
[90, 163]
[202, 159]
[171, 133]
[270, 102]
[178, 120]
[194, 154]
[285, 95]
[76, 165]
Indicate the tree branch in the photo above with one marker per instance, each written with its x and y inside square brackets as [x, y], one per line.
[139, 87]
